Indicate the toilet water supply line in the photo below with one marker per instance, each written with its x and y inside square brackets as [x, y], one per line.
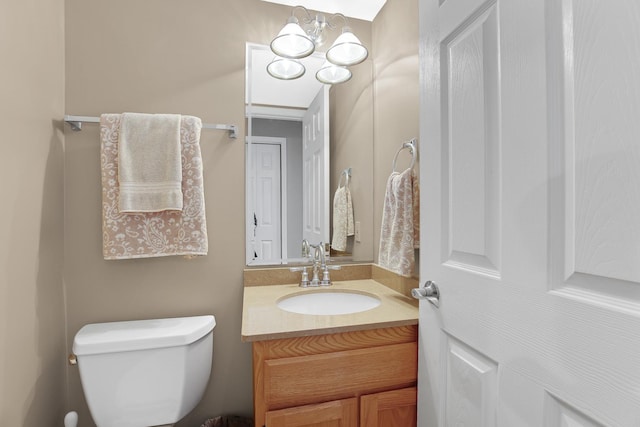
[71, 419]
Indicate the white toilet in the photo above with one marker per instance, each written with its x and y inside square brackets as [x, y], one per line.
[144, 373]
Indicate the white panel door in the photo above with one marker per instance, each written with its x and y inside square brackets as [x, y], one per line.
[530, 130]
[315, 169]
[264, 236]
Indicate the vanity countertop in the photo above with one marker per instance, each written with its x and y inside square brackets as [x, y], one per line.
[263, 320]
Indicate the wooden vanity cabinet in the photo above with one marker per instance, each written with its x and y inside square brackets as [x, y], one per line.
[351, 379]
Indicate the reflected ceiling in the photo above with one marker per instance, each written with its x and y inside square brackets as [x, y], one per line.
[266, 90]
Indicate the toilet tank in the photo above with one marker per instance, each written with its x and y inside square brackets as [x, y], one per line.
[144, 372]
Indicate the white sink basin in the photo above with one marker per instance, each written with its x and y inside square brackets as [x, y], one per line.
[328, 302]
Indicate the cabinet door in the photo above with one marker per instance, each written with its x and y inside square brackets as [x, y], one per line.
[339, 413]
[396, 408]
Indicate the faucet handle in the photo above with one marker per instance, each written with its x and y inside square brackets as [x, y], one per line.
[304, 280]
[326, 280]
[325, 277]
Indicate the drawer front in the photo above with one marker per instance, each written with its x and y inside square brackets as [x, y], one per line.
[307, 379]
[339, 413]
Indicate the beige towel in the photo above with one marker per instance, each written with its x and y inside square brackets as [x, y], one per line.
[415, 180]
[149, 163]
[153, 234]
[397, 240]
[342, 219]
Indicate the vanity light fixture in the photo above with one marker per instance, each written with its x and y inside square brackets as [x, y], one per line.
[331, 74]
[347, 49]
[296, 42]
[292, 42]
[285, 68]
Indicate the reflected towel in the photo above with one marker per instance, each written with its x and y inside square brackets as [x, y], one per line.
[149, 163]
[397, 240]
[153, 234]
[342, 219]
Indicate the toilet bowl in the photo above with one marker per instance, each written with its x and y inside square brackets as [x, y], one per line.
[144, 373]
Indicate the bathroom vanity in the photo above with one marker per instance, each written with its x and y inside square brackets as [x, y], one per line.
[362, 378]
[347, 370]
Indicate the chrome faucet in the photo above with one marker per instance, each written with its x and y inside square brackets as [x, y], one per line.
[319, 263]
[319, 266]
[306, 249]
[318, 254]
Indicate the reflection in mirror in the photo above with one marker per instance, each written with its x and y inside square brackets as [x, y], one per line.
[290, 181]
[287, 161]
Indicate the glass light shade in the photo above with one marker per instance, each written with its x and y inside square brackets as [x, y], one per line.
[292, 42]
[332, 74]
[347, 49]
[285, 69]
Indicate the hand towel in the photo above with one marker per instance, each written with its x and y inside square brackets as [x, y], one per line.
[342, 219]
[153, 234]
[397, 242]
[149, 163]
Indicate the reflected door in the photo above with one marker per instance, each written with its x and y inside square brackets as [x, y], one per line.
[531, 213]
[315, 169]
[264, 239]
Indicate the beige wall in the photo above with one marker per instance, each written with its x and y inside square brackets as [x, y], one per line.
[32, 350]
[396, 93]
[183, 57]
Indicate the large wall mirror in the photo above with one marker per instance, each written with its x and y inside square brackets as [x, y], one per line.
[304, 139]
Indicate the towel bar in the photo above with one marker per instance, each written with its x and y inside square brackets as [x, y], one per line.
[75, 122]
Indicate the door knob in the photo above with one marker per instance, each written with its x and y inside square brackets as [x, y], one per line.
[429, 291]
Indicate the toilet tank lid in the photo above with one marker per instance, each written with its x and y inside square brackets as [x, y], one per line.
[97, 338]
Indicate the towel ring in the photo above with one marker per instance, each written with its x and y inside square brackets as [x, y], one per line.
[347, 174]
[411, 146]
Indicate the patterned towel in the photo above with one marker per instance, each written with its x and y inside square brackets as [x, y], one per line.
[397, 236]
[153, 234]
[342, 219]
